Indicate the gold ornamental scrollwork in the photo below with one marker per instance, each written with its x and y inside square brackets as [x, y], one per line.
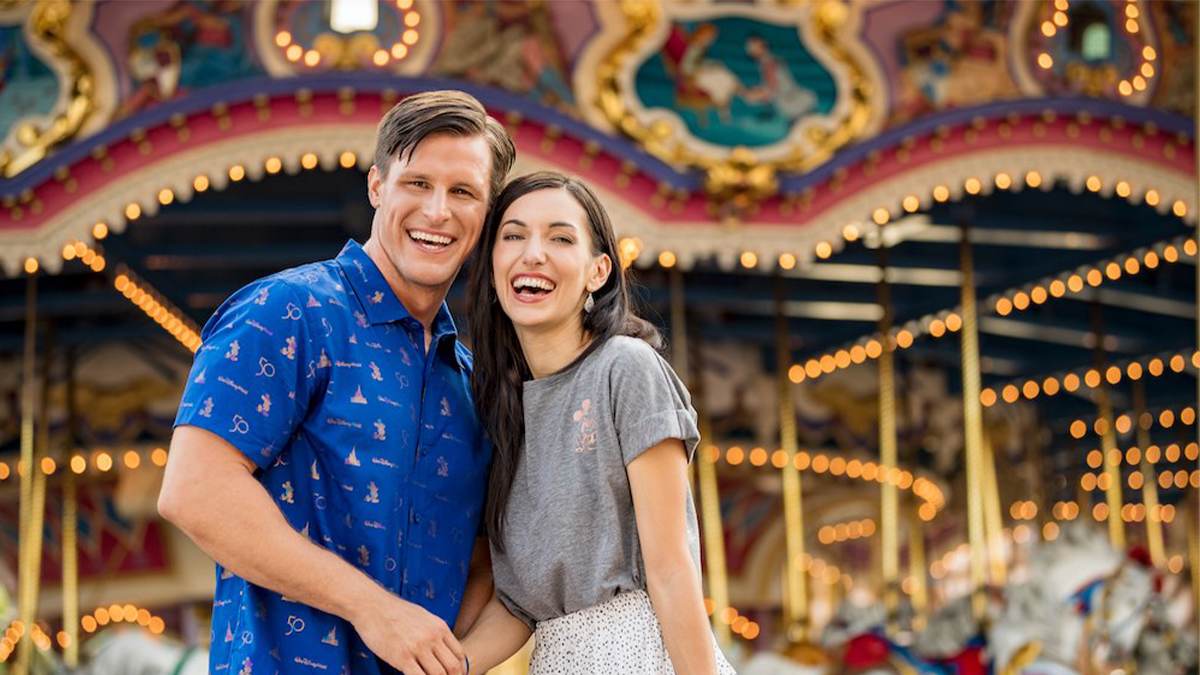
[739, 176]
[47, 25]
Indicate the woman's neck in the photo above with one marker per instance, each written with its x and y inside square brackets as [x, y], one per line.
[549, 350]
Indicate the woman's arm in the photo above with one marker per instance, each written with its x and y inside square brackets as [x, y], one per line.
[496, 636]
[658, 480]
[478, 590]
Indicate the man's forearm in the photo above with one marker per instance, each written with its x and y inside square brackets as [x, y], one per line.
[229, 515]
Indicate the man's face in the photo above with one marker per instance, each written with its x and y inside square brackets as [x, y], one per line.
[429, 209]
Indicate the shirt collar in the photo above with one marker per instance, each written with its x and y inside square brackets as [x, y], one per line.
[377, 299]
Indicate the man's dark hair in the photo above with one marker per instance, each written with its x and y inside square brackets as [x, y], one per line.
[442, 112]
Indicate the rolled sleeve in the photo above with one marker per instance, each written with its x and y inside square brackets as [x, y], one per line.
[251, 379]
[651, 404]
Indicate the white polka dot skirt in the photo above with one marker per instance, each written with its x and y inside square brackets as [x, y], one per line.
[619, 636]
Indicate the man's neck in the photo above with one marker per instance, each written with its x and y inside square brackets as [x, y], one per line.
[422, 302]
[550, 350]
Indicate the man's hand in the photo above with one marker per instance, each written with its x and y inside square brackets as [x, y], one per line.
[409, 638]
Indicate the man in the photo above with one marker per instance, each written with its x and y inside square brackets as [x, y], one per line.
[326, 451]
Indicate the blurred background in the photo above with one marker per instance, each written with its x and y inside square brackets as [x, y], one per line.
[928, 267]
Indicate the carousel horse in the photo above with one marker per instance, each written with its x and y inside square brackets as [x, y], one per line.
[1086, 608]
[135, 652]
[952, 644]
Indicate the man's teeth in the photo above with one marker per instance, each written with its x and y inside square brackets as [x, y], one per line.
[430, 238]
[533, 282]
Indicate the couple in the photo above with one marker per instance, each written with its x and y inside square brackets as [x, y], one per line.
[378, 499]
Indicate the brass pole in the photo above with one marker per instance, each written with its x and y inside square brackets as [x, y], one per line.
[1154, 532]
[973, 429]
[706, 469]
[70, 529]
[888, 498]
[796, 620]
[917, 568]
[993, 518]
[1108, 441]
[1195, 520]
[28, 470]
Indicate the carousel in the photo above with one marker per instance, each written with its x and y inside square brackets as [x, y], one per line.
[929, 268]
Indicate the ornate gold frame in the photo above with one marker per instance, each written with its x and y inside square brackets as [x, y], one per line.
[741, 174]
[49, 28]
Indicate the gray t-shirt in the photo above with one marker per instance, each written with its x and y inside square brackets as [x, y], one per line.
[570, 536]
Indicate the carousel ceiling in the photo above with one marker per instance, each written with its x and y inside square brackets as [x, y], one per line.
[754, 149]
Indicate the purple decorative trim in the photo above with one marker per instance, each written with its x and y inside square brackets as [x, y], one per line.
[245, 90]
[1098, 108]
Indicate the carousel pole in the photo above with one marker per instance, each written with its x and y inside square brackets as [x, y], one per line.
[1194, 522]
[917, 568]
[888, 498]
[992, 516]
[1108, 442]
[973, 429]
[796, 618]
[26, 606]
[70, 530]
[1154, 530]
[710, 503]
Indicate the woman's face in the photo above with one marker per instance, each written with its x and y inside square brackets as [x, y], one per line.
[542, 261]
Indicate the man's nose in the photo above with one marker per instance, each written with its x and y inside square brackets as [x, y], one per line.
[436, 208]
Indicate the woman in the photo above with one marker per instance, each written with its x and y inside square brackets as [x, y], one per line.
[592, 528]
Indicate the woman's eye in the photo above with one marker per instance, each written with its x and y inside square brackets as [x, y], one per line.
[564, 240]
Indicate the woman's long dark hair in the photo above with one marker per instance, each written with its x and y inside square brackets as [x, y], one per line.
[500, 367]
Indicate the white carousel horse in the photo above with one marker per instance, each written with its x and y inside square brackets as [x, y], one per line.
[134, 652]
[1086, 608]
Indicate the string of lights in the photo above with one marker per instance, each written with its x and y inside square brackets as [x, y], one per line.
[854, 468]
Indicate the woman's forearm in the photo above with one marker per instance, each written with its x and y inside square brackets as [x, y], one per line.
[675, 595]
[496, 636]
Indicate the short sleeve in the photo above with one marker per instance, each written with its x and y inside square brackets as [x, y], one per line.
[515, 610]
[649, 401]
[250, 382]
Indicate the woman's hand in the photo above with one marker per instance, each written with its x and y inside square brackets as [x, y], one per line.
[495, 637]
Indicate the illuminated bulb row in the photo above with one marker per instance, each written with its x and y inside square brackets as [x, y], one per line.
[77, 250]
[871, 348]
[1134, 513]
[1058, 20]
[1090, 378]
[1023, 510]
[1065, 510]
[1140, 81]
[857, 529]
[1124, 423]
[100, 461]
[1167, 479]
[16, 631]
[1153, 455]
[102, 616]
[737, 623]
[74, 249]
[837, 466]
[312, 58]
[158, 308]
[1094, 276]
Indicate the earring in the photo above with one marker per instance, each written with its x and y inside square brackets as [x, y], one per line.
[589, 303]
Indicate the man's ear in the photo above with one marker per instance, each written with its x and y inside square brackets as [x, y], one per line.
[602, 267]
[374, 185]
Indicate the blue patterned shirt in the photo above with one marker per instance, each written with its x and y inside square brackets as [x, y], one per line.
[369, 445]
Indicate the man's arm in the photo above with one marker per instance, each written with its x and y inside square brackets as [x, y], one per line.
[209, 491]
[479, 588]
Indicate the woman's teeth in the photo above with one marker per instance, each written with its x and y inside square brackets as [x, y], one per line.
[532, 285]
